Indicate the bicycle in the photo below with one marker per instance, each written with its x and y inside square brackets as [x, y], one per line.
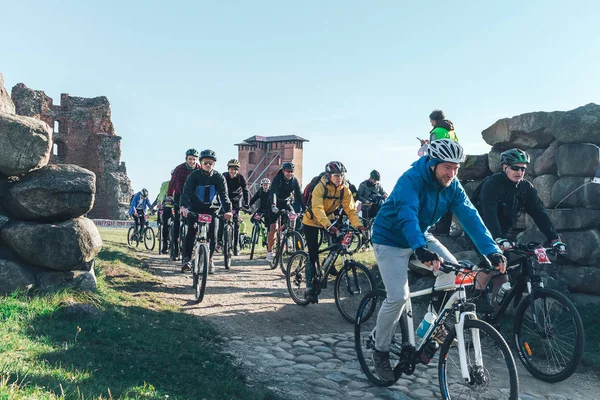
[474, 359]
[352, 280]
[548, 332]
[159, 225]
[176, 246]
[200, 254]
[259, 231]
[146, 234]
[228, 242]
[287, 240]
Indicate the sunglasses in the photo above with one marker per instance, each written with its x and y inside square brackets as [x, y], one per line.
[337, 175]
[517, 168]
[208, 162]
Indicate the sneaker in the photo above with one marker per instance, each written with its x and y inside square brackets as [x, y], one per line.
[270, 256]
[164, 250]
[187, 265]
[311, 296]
[235, 251]
[211, 267]
[381, 359]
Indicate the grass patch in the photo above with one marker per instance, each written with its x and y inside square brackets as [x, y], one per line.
[139, 347]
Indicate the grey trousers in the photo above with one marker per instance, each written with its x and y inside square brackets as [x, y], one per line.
[393, 265]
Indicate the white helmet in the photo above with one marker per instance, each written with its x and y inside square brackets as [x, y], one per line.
[446, 150]
[265, 181]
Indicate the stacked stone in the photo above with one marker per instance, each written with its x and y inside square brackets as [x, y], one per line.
[44, 239]
[564, 159]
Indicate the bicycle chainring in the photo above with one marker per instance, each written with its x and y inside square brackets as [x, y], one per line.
[407, 360]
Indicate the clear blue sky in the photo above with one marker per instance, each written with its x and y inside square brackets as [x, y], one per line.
[358, 79]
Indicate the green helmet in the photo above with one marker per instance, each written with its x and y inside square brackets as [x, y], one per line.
[514, 156]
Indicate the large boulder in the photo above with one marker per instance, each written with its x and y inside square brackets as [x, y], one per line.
[591, 195]
[546, 163]
[15, 276]
[52, 281]
[568, 192]
[577, 159]
[580, 279]
[471, 186]
[526, 131]
[494, 161]
[52, 193]
[25, 144]
[534, 154]
[543, 184]
[6, 103]
[581, 125]
[474, 167]
[63, 246]
[571, 219]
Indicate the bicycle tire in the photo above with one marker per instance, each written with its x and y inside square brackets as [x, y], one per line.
[292, 243]
[130, 239]
[255, 229]
[149, 237]
[200, 272]
[227, 245]
[494, 351]
[364, 339]
[183, 228]
[560, 366]
[353, 281]
[276, 251]
[295, 277]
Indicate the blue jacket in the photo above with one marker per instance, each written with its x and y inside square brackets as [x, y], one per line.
[417, 202]
[135, 203]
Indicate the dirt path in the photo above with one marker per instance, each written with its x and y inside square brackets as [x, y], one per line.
[250, 303]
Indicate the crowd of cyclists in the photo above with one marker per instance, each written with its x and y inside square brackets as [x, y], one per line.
[423, 202]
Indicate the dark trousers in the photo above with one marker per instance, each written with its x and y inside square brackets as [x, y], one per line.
[191, 236]
[236, 227]
[442, 227]
[167, 214]
[139, 220]
[176, 225]
[312, 242]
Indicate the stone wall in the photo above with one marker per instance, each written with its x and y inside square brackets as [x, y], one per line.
[83, 135]
[564, 158]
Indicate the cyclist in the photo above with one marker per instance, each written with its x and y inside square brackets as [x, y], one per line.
[238, 195]
[178, 178]
[421, 196]
[371, 192]
[500, 200]
[329, 194]
[200, 196]
[284, 184]
[137, 208]
[265, 197]
[166, 204]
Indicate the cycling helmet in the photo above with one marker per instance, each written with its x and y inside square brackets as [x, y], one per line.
[446, 150]
[144, 193]
[335, 167]
[514, 156]
[208, 154]
[233, 163]
[191, 152]
[288, 166]
[375, 175]
[265, 181]
[437, 115]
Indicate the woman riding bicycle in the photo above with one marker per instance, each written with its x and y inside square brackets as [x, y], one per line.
[265, 198]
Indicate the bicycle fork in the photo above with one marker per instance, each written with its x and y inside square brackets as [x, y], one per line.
[462, 351]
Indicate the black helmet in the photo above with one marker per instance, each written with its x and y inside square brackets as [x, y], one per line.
[191, 152]
[288, 166]
[514, 156]
[375, 175]
[335, 167]
[144, 193]
[233, 163]
[208, 154]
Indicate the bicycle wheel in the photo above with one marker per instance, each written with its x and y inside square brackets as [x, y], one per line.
[254, 237]
[276, 251]
[228, 244]
[292, 243]
[549, 335]
[130, 238]
[295, 277]
[364, 338]
[149, 238]
[495, 377]
[200, 271]
[181, 240]
[352, 282]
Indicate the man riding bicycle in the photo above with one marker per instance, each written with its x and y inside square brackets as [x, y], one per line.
[284, 184]
[137, 208]
[238, 195]
[501, 199]
[328, 195]
[371, 193]
[422, 195]
[178, 178]
[200, 196]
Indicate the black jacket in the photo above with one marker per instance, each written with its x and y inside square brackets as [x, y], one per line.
[283, 190]
[237, 190]
[501, 201]
[369, 192]
[202, 192]
[265, 198]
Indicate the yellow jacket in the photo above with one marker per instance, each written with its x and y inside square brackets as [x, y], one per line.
[320, 212]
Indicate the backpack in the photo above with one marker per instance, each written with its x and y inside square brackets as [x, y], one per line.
[307, 194]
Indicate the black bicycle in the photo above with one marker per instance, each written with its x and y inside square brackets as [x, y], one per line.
[159, 225]
[352, 281]
[176, 246]
[228, 239]
[145, 234]
[287, 240]
[200, 254]
[548, 332]
[259, 231]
